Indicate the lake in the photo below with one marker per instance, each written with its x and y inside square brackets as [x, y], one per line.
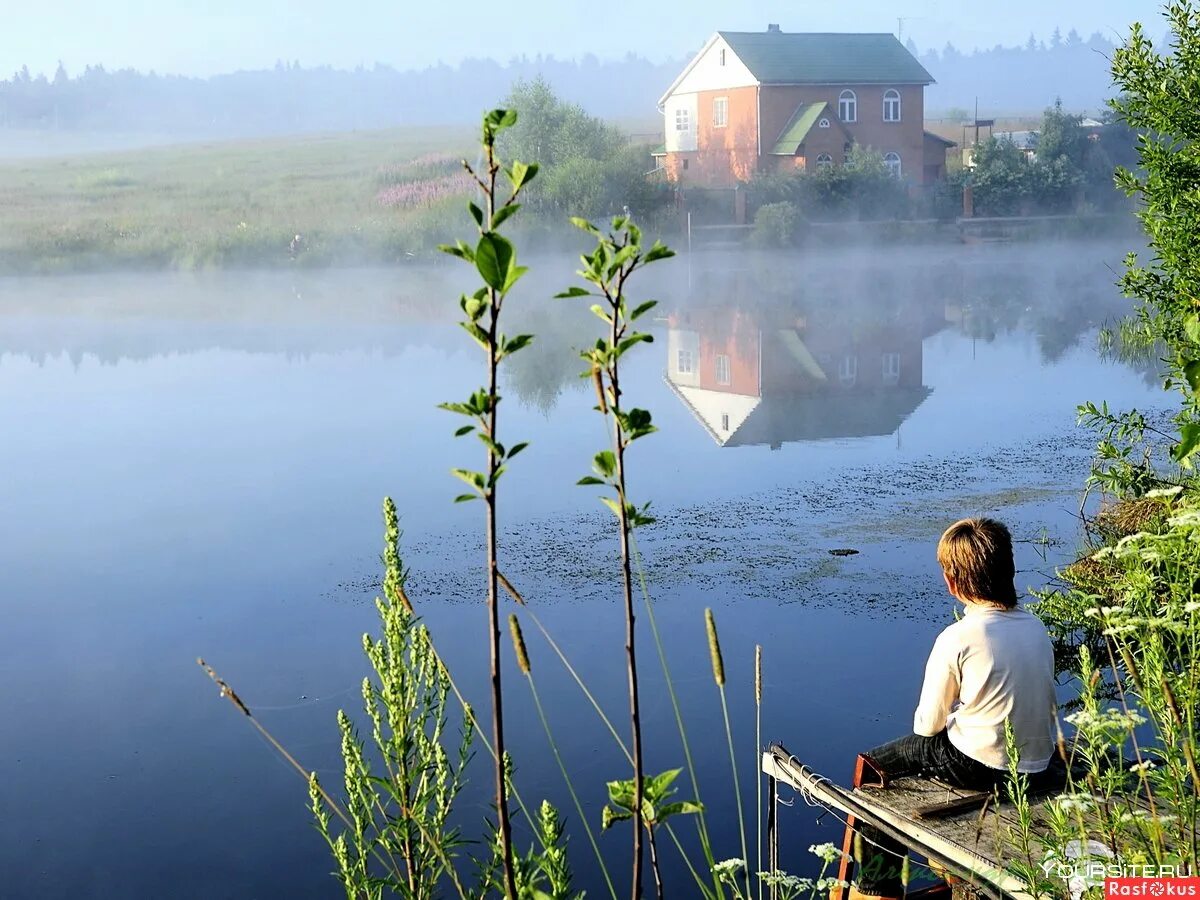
[194, 465]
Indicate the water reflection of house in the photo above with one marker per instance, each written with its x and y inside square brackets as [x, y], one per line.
[750, 379]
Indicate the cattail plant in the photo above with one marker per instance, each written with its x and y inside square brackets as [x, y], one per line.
[607, 269]
[718, 669]
[495, 260]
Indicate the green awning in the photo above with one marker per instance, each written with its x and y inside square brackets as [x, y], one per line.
[797, 128]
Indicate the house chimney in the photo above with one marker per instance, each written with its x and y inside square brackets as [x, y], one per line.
[773, 29]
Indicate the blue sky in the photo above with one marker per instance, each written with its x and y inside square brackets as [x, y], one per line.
[203, 37]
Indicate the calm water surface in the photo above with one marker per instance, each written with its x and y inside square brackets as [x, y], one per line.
[193, 465]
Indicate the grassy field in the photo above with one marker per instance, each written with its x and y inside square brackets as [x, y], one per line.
[231, 204]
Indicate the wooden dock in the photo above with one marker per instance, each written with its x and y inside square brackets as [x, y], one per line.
[966, 833]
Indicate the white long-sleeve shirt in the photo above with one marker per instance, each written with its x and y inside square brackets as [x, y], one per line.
[992, 665]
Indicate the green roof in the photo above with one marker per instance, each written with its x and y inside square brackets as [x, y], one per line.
[797, 128]
[777, 57]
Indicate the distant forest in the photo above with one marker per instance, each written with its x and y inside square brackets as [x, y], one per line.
[291, 98]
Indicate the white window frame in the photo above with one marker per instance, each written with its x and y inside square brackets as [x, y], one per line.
[848, 106]
[720, 112]
[823, 123]
[723, 371]
[891, 368]
[891, 105]
[848, 369]
[685, 362]
[824, 160]
[722, 56]
[683, 122]
[891, 159]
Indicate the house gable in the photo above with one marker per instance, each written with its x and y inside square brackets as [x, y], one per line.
[716, 67]
[808, 116]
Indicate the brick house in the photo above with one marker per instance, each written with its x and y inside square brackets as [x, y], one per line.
[768, 101]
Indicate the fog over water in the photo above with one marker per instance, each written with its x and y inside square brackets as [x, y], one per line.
[195, 464]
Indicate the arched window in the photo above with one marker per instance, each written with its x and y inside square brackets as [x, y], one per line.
[823, 123]
[848, 106]
[891, 105]
[824, 161]
[892, 161]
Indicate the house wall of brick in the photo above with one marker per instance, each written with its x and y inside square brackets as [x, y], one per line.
[906, 137]
[725, 154]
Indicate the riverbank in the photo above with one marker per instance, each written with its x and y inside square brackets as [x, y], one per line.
[311, 200]
[318, 201]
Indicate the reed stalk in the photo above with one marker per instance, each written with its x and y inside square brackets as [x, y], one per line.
[758, 693]
[617, 739]
[701, 821]
[718, 667]
[522, 653]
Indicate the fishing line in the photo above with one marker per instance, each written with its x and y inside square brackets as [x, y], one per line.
[305, 701]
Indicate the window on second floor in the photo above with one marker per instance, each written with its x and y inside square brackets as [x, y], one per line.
[682, 121]
[685, 362]
[891, 368]
[891, 105]
[848, 369]
[848, 106]
[720, 112]
[824, 160]
[722, 369]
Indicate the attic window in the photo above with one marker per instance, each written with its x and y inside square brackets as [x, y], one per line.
[823, 123]
[722, 56]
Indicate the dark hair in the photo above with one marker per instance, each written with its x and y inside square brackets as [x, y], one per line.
[977, 555]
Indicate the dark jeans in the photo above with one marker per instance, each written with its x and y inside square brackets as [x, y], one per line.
[934, 757]
[879, 857]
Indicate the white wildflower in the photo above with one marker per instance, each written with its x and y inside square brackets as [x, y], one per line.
[1068, 803]
[827, 852]
[1191, 606]
[1164, 492]
[1123, 543]
[1144, 766]
[786, 881]
[827, 884]
[1187, 518]
[728, 867]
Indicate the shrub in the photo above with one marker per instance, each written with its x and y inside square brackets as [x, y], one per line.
[776, 225]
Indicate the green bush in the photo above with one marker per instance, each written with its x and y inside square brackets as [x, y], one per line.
[776, 225]
[863, 188]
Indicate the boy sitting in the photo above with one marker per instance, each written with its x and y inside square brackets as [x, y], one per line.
[994, 665]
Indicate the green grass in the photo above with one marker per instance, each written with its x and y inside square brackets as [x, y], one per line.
[219, 204]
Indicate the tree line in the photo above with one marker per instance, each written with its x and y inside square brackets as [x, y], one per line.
[293, 98]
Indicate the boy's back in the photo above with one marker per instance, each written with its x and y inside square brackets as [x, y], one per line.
[990, 666]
